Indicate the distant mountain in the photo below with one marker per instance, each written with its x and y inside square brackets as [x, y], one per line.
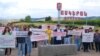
[38, 19]
[5, 21]
[93, 17]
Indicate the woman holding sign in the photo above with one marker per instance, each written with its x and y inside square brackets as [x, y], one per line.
[7, 31]
[28, 46]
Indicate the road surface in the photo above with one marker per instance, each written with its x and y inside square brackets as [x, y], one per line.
[81, 53]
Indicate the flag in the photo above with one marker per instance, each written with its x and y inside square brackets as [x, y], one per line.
[77, 13]
[62, 12]
[66, 12]
[81, 13]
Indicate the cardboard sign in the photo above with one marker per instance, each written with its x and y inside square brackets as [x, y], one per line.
[87, 37]
[7, 41]
[70, 32]
[21, 33]
[38, 34]
[59, 33]
[87, 27]
[74, 32]
[36, 30]
[39, 37]
[77, 32]
[2, 29]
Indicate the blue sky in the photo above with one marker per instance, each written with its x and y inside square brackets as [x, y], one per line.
[42, 8]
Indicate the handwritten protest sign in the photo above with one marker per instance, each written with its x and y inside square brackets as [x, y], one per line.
[74, 32]
[59, 33]
[1, 29]
[38, 37]
[7, 41]
[87, 37]
[87, 27]
[38, 34]
[21, 33]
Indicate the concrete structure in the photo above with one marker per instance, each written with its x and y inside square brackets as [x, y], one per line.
[57, 50]
[2, 52]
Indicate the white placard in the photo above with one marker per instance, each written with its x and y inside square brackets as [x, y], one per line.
[70, 32]
[87, 37]
[39, 37]
[21, 33]
[38, 34]
[7, 41]
[77, 32]
[59, 33]
[74, 32]
[87, 27]
[36, 30]
[2, 29]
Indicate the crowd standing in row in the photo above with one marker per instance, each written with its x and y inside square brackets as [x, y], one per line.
[25, 45]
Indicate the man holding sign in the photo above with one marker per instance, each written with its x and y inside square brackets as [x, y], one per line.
[57, 38]
[87, 38]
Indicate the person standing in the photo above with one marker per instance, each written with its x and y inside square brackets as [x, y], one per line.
[97, 40]
[21, 44]
[49, 33]
[91, 46]
[77, 38]
[28, 46]
[86, 44]
[7, 31]
[67, 38]
[58, 39]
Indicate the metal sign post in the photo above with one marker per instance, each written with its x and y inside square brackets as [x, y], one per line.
[73, 20]
[85, 14]
[59, 7]
[58, 17]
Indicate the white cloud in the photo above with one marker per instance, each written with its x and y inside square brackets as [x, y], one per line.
[21, 8]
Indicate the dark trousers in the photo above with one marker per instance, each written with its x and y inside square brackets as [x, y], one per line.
[34, 44]
[91, 46]
[85, 46]
[8, 51]
[58, 41]
[25, 49]
[97, 45]
[55, 41]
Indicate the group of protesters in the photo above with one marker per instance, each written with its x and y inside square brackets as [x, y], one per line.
[24, 45]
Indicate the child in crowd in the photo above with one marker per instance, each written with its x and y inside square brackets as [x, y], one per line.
[49, 33]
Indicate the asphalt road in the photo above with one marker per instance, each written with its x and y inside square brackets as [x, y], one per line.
[80, 53]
